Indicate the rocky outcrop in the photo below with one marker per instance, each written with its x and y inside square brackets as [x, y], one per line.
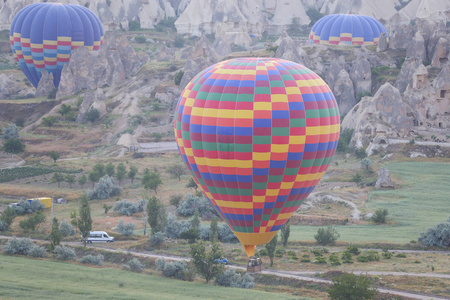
[383, 9]
[420, 77]
[383, 114]
[384, 179]
[416, 48]
[408, 68]
[11, 89]
[427, 9]
[361, 76]
[88, 70]
[92, 100]
[45, 85]
[382, 43]
[441, 53]
[344, 93]
[221, 46]
[290, 50]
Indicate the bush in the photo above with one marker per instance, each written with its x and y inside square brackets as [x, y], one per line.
[380, 216]
[326, 236]
[369, 256]
[188, 206]
[38, 251]
[226, 235]
[230, 278]
[134, 25]
[353, 250]
[178, 41]
[105, 188]
[347, 257]
[92, 115]
[360, 153]
[64, 253]
[3, 226]
[18, 246]
[96, 260]
[66, 229]
[175, 227]
[135, 265]
[128, 208]
[125, 229]
[437, 236]
[351, 287]
[178, 76]
[203, 232]
[175, 269]
[25, 207]
[344, 140]
[320, 260]
[140, 39]
[334, 259]
[191, 234]
[160, 263]
[157, 239]
[32, 222]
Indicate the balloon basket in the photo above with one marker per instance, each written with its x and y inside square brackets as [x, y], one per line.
[254, 265]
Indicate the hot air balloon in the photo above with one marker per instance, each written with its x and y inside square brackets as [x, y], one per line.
[43, 35]
[256, 134]
[346, 29]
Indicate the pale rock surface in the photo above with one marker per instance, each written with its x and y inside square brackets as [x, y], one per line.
[416, 48]
[290, 50]
[408, 68]
[427, 9]
[344, 93]
[420, 77]
[383, 114]
[381, 9]
[45, 85]
[361, 75]
[382, 43]
[384, 179]
[441, 54]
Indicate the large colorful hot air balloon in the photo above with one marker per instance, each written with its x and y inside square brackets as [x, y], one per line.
[43, 35]
[346, 29]
[257, 134]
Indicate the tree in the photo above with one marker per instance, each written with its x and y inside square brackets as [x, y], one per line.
[100, 169]
[93, 177]
[32, 222]
[13, 146]
[314, 15]
[195, 222]
[92, 115]
[351, 287]
[56, 235]
[176, 171]
[380, 216]
[54, 155]
[151, 180]
[121, 172]
[49, 121]
[84, 222]
[82, 180]
[360, 153]
[270, 247]
[132, 173]
[106, 208]
[156, 215]
[214, 230]
[344, 140]
[436, 236]
[11, 132]
[326, 236]
[176, 199]
[366, 163]
[8, 216]
[192, 184]
[204, 261]
[57, 177]
[178, 76]
[65, 109]
[285, 232]
[110, 169]
[70, 179]
[105, 188]
[73, 218]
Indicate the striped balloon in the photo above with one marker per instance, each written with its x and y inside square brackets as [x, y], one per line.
[256, 134]
[43, 35]
[347, 30]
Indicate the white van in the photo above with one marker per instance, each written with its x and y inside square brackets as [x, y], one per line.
[99, 236]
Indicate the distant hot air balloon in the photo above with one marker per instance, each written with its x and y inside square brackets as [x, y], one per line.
[256, 134]
[346, 29]
[43, 35]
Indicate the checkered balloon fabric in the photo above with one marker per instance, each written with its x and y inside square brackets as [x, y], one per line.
[257, 135]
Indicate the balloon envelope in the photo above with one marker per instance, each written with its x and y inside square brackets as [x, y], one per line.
[346, 29]
[256, 134]
[43, 35]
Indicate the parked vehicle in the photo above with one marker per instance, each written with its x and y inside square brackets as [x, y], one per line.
[99, 236]
[222, 261]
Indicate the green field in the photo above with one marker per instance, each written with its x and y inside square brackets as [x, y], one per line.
[24, 278]
[422, 200]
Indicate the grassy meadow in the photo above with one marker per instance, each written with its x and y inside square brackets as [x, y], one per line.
[22, 278]
[420, 200]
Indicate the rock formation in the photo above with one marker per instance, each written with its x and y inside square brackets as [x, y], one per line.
[344, 93]
[45, 85]
[441, 54]
[291, 50]
[383, 114]
[361, 76]
[384, 179]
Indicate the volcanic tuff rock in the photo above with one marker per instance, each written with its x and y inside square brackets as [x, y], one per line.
[441, 54]
[416, 48]
[88, 70]
[45, 85]
[408, 68]
[384, 179]
[290, 50]
[10, 88]
[361, 75]
[384, 113]
[344, 93]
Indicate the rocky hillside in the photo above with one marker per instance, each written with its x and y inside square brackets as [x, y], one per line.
[399, 89]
